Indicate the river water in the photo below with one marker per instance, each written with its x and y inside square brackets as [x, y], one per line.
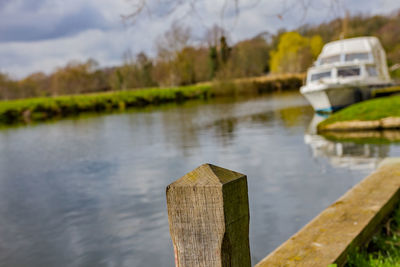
[90, 191]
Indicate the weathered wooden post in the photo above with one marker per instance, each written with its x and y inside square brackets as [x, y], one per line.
[208, 211]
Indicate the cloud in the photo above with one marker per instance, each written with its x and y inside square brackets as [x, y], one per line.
[55, 34]
[44, 22]
[43, 34]
[21, 58]
[105, 46]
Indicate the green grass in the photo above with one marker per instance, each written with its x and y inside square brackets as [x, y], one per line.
[35, 109]
[374, 109]
[384, 248]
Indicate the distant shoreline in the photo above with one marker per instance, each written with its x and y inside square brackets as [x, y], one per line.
[45, 108]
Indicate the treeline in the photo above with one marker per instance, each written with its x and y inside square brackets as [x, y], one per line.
[182, 60]
[74, 78]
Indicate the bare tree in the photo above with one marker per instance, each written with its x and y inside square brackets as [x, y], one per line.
[174, 40]
[225, 20]
[213, 35]
[163, 8]
[183, 8]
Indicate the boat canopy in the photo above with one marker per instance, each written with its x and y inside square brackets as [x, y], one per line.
[360, 49]
[350, 46]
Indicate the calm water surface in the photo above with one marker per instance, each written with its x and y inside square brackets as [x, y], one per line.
[91, 191]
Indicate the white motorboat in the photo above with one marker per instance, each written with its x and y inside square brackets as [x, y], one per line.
[346, 72]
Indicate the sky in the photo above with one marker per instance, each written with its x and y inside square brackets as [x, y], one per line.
[41, 35]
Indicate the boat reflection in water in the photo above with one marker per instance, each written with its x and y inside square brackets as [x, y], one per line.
[344, 154]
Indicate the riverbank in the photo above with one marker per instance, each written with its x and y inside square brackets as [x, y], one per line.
[35, 109]
[375, 114]
[38, 109]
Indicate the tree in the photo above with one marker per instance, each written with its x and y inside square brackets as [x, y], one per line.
[213, 61]
[173, 41]
[144, 70]
[134, 73]
[202, 64]
[171, 58]
[184, 63]
[36, 84]
[214, 34]
[77, 77]
[8, 88]
[295, 53]
[316, 45]
[251, 57]
[225, 50]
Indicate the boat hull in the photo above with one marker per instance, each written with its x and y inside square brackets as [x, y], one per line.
[330, 99]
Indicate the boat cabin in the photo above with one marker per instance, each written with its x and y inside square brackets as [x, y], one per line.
[350, 60]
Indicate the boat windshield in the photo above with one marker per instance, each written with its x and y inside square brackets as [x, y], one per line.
[330, 59]
[347, 72]
[320, 75]
[356, 56]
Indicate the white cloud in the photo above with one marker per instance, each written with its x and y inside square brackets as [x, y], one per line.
[106, 46]
[21, 58]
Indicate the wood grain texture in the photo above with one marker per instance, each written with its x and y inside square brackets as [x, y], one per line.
[349, 222]
[208, 214]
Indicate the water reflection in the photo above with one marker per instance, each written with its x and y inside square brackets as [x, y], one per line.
[347, 153]
[91, 191]
[223, 117]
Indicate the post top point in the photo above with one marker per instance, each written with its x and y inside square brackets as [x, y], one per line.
[208, 175]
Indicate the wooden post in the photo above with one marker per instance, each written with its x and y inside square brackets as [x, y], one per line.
[208, 212]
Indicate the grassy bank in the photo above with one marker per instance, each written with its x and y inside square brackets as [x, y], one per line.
[36, 109]
[371, 111]
[384, 248]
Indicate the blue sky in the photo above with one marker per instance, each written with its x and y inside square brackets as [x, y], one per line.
[40, 35]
